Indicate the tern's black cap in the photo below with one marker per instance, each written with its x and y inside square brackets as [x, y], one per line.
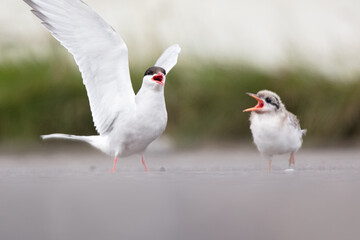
[153, 70]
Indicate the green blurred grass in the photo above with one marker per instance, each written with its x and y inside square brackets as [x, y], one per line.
[207, 102]
[204, 101]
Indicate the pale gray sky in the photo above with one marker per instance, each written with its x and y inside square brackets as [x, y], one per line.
[322, 34]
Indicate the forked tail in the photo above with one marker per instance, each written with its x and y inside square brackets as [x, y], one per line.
[67, 136]
[96, 141]
[303, 131]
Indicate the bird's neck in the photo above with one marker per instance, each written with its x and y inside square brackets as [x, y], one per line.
[279, 114]
[150, 95]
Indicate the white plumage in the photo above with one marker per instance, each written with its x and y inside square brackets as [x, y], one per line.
[126, 123]
[275, 130]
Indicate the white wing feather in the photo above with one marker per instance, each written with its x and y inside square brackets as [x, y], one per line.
[168, 59]
[99, 52]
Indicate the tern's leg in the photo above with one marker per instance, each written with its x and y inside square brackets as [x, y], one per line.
[113, 169]
[292, 160]
[143, 162]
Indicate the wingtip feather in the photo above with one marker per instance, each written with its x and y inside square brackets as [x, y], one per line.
[177, 46]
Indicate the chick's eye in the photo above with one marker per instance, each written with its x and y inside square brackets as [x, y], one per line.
[268, 100]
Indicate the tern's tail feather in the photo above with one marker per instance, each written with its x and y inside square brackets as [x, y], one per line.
[303, 131]
[67, 136]
[96, 141]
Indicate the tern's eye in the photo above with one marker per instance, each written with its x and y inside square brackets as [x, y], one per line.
[268, 100]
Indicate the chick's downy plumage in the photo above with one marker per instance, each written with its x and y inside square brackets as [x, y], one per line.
[275, 130]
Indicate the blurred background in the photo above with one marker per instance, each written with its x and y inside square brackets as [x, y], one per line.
[205, 182]
[306, 51]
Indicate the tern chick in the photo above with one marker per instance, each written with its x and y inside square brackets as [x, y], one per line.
[275, 130]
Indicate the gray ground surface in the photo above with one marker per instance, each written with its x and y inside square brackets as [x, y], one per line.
[210, 193]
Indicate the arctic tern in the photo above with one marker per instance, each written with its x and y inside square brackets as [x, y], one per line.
[126, 123]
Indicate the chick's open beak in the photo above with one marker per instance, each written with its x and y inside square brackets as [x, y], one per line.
[259, 105]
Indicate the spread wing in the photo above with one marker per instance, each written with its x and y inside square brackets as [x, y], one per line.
[168, 59]
[100, 53]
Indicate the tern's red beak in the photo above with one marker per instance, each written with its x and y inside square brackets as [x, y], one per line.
[259, 105]
[159, 78]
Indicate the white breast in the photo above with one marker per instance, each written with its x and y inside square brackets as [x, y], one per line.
[274, 134]
[133, 132]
